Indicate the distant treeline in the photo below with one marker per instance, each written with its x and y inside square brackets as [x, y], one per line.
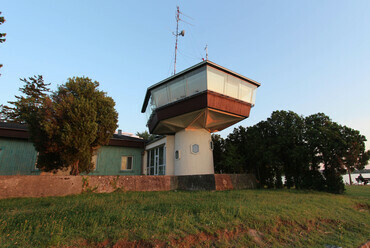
[294, 146]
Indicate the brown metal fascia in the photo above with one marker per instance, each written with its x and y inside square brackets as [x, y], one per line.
[14, 133]
[153, 122]
[210, 92]
[193, 103]
[183, 106]
[126, 143]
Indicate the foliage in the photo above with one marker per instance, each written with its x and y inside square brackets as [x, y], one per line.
[34, 91]
[146, 135]
[218, 153]
[68, 125]
[355, 156]
[285, 218]
[297, 148]
[2, 35]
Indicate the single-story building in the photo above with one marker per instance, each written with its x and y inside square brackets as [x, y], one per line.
[122, 156]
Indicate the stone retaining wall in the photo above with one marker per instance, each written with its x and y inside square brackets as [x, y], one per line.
[48, 185]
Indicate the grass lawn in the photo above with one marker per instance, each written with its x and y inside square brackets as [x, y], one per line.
[243, 218]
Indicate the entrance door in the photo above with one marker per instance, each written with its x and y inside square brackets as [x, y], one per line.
[156, 164]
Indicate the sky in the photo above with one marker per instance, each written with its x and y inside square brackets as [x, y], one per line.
[309, 56]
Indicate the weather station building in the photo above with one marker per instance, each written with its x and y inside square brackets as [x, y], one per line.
[185, 109]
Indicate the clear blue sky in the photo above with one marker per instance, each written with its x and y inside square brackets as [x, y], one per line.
[310, 56]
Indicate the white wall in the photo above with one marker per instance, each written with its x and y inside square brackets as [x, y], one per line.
[190, 163]
[170, 155]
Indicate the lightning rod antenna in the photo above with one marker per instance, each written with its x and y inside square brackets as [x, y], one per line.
[206, 48]
[182, 33]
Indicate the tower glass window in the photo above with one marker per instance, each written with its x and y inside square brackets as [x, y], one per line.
[230, 85]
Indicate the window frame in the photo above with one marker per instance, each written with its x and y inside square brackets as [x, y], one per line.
[153, 165]
[177, 154]
[2, 149]
[193, 146]
[95, 161]
[35, 169]
[132, 163]
[211, 145]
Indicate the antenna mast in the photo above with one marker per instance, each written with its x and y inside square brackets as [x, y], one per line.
[182, 33]
[206, 48]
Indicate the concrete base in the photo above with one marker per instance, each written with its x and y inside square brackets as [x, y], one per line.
[39, 186]
[193, 153]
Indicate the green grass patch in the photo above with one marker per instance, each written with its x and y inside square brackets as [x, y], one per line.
[243, 218]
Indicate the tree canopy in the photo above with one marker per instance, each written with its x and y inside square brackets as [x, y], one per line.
[309, 152]
[146, 135]
[67, 126]
[2, 35]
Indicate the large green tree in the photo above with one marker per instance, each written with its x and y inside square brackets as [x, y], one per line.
[234, 154]
[218, 153]
[23, 110]
[311, 152]
[68, 125]
[355, 156]
[269, 149]
[287, 145]
[326, 146]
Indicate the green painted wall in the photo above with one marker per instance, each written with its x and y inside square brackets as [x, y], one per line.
[109, 160]
[17, 157]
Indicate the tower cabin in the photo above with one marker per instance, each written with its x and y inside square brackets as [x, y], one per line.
[186, 108]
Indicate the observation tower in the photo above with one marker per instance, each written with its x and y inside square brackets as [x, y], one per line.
[191, 105]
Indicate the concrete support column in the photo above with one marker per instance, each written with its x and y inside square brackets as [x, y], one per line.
[193, 154]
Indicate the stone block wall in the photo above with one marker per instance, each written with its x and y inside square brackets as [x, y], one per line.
[37, 186]
[49, 185]
[235, 181]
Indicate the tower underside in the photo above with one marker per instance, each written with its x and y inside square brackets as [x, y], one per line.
[208, 110]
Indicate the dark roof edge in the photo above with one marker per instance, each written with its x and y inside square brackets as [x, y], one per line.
[159, 137]
[206, 62]
[20, 131]
[13, 126]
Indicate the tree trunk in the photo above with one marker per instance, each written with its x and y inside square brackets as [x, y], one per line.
[349, 174]
[74, 170]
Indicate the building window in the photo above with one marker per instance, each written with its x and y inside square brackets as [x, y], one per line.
[195, 148]
[177, 154]
[94, 161]
[35, 165]
[1, 152]
[126, 163]
[211, 145]
[156, 161]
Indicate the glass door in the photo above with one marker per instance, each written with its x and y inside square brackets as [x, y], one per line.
[156, 162]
